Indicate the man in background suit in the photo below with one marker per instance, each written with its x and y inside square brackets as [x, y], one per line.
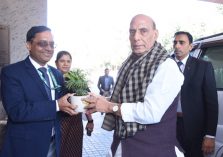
[32, 98]
[198, 104]
[105, 84]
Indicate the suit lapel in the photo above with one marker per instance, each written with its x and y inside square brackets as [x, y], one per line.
[189, 70]
[34, 74]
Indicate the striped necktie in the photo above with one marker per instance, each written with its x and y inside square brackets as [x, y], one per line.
[43, 70]
[179, 65]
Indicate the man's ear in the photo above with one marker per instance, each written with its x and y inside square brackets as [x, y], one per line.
[28, 45]
[156, 34]
[191, 47]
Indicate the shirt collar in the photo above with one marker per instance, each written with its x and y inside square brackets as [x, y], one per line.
[35, 64]
[183, 60]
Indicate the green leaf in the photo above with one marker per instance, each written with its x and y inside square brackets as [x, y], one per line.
[76, 81]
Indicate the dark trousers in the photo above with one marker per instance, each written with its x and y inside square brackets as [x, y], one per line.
[192, 148]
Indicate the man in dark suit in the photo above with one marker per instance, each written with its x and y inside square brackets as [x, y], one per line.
[32, 98]
[105, 84]
[198, 105]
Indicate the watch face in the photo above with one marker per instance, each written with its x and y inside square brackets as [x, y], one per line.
[115, 108]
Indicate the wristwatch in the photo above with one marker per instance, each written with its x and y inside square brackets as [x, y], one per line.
[115, 108]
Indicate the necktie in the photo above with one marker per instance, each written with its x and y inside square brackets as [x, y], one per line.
[47, 81]
[179, 65]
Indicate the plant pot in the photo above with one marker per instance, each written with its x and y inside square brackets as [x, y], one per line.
[76, 100]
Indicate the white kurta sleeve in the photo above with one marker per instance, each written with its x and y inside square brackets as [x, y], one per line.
[160, 94]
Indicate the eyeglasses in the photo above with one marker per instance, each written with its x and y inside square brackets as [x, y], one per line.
[45, 44]
[181, 42]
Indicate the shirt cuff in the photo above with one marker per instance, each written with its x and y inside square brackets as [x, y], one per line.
[209, 136]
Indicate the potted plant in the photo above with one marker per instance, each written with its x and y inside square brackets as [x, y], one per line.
[76, 82]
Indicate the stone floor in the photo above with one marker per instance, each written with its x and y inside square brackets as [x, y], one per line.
[98, 144]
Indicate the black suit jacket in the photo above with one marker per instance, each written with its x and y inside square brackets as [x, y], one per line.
[199, 99]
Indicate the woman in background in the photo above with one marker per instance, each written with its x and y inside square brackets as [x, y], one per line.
[71, 126]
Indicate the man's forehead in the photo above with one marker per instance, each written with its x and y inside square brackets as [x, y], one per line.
[45, 34]
[141, 21]
[182, 36]
[139, 26]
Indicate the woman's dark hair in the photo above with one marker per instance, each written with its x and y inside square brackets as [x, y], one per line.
[61, 54]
